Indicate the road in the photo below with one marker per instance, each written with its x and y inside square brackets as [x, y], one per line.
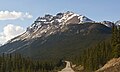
[67, 68]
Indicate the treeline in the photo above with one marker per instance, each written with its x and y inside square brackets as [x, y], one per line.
[18, 63]
[95, 57]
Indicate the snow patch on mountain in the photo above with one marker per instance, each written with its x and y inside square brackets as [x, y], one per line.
[49, 24]
[117, 22]
[107, 23]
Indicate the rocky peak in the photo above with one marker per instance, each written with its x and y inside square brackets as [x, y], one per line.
[107, 23]
[51, 24]
[59, 19]
[117, 22]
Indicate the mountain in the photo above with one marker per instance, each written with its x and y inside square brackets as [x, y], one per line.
[108, 23]
[49, 24]
[117, 22]
[61, 36]
[111, 66]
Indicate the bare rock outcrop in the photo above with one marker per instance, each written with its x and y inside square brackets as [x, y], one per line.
[111, 66]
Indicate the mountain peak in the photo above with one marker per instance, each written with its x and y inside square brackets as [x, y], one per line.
[51, 24]
[60, 19]
[107, 23]
[117, 22]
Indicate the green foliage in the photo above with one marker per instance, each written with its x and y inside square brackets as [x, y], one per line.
[116, 41]
[116, 51]
[95, 57]
[17, 63]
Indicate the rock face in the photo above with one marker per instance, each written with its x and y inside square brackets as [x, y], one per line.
[112, 66]
[108, 23]
[49, 24]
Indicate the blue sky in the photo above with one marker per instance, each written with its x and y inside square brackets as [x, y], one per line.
[98, 10]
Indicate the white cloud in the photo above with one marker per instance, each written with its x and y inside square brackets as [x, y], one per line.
[7, 15]
[10, 31]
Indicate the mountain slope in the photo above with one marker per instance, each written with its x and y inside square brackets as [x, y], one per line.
[69, 42]
[112, 66]
[61, 36]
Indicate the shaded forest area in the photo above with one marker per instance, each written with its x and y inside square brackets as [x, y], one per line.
[96, 56]
[18, 63]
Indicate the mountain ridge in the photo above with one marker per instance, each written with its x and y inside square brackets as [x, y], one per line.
[50, 24]
[62, 31]
[55, 23]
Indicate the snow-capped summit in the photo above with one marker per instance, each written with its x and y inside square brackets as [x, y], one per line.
[51, 24]
[107, 23]
[59, 19]
[50, 30]
[117, 22]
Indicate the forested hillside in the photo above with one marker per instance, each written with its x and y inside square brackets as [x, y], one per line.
[95, 57]
[18, 63]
